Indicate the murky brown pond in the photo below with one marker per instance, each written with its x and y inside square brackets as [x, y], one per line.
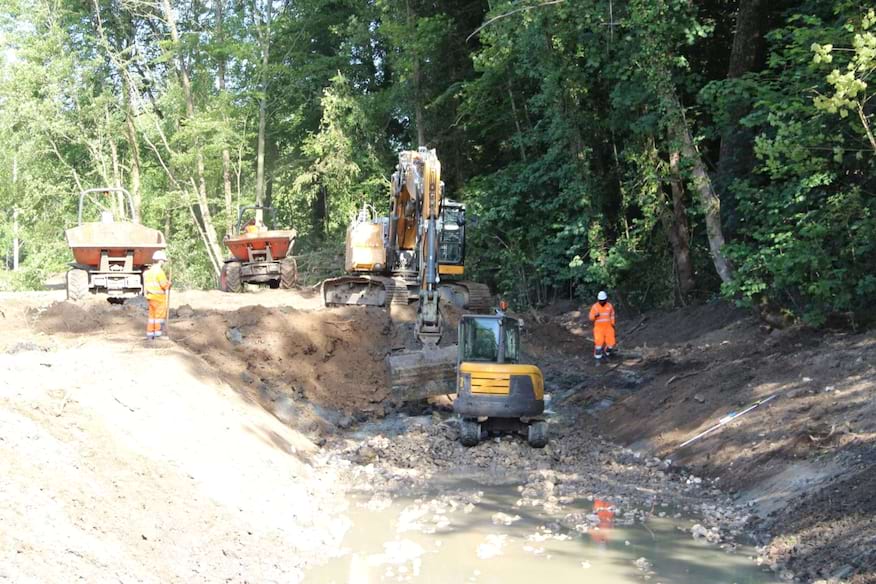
[477, 534]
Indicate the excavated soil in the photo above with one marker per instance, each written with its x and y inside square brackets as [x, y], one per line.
[331, 358]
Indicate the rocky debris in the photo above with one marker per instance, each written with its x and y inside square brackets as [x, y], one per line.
[712, 535]
[184, 311]
[234, 335]
[504, 519]
[24, 346]
[645, 567]
[576, 469]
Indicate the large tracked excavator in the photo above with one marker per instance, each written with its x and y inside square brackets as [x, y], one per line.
[420, 246]
[416, 253]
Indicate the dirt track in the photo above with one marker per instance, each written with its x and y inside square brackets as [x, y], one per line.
[193, 460]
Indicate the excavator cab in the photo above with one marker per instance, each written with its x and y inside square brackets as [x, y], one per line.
[494, 390]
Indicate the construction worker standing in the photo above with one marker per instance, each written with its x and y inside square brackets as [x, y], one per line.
[503, 308]
[602, 317]
[156, 285]
[251, 228]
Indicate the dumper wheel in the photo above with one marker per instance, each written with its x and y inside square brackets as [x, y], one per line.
[538, 434]
[229, 279]
[77, 284]
[288, 273]
[469, 432]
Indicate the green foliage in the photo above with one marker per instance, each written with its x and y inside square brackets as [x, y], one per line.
[555, 123]
[809, 213]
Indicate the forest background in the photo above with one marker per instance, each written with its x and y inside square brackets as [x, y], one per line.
[666, 150]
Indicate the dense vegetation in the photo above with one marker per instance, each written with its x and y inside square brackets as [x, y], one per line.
[667, 150]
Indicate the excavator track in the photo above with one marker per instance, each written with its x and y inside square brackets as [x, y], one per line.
[397, 291]
[479, 297]
[367, 290]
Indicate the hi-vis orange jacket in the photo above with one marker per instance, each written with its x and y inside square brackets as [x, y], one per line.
[155, 282]
[602, 315]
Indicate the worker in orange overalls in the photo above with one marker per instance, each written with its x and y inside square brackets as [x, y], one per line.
[156, 285]
[602, 317]
[503, 308]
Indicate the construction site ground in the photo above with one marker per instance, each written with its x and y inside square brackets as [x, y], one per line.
[243, 448]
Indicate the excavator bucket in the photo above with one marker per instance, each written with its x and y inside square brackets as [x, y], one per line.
[416, 375]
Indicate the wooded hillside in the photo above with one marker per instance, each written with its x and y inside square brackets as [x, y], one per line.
[666, 150]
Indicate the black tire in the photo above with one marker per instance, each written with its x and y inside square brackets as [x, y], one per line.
[469, 432]
[538, 434]
[77, 284]
[288, 273]
[229, 279]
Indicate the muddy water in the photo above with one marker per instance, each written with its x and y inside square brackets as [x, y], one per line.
[475, 533]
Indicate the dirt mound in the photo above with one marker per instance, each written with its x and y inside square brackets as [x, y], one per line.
[332, 358]
[70, 317]
[680, 326]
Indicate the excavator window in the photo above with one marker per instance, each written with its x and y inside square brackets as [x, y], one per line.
[451, 248]
[481, 339]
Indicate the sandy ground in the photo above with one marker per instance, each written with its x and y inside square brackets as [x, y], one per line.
[227, 452]
[130, 464]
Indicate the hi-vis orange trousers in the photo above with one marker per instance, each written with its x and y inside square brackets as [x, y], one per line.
[603, 337]
[157, 316]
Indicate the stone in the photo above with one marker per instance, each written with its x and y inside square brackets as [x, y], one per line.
[234, 335]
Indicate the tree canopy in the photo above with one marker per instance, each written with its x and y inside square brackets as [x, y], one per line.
[666, 150]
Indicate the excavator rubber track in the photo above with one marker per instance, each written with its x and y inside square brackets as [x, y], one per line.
[365, 290]
[479, 297]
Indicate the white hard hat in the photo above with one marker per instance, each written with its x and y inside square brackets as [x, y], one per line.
[602, 295]
[159, 256]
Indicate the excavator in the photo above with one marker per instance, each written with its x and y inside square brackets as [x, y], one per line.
[416, 253]
[417, 250]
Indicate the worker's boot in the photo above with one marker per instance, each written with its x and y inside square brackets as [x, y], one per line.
[597, 354]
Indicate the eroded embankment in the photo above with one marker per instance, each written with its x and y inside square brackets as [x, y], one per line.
[803, 461]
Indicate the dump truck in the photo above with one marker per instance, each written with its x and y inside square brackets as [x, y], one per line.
[259, 255]
[111, 254]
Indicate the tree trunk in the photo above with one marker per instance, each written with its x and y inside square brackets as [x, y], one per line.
[265, 41]
[16, 246]
[131, 132]
[419, 115]
[117, 175]
[516, 121]
[702, 184]
[679, 230]
[211, 242]
[226, 154]
[736, 155]
[320, 211]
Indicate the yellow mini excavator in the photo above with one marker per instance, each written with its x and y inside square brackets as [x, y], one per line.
[494, 390]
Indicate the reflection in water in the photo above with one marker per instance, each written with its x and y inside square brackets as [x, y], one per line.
[600, 533]
[489, 537]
